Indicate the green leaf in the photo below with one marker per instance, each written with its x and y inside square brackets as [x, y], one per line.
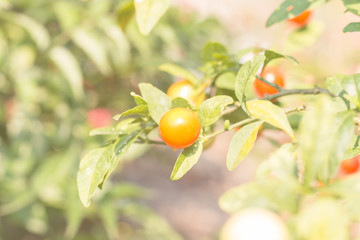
[94, 48]
[91, 172]
[142, 110]
[334, 83]
[210, 110]
[271, 55]
[226, 81]
[159, 103]
[178, 71]
[139, 100]
[69, 66]
[352, 6]
[281, 164]
[270, 113]
[125, 13]
[186, 160]
[148, 13]
[211, 50]
[325, 135]
[246, 76]
[352, 27]
[323, 219]
[241, 144]
[180, 102]
[288, 9]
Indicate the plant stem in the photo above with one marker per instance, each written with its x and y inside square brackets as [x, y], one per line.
[286, 92]
[149, 141]
[251, 120]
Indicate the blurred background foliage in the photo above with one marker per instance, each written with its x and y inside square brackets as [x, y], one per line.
[65, 66]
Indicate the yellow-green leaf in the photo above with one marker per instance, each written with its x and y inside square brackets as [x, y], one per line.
[241, 144]
[270, 113]
[186, 160]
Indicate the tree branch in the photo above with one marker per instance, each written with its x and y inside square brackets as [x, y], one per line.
[286, 92]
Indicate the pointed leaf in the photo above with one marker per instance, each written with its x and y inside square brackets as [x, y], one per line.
[270, 113]
[148, 13]
[241, 144]
[271, 55]
[142, 110]
[178, 71]
[91, 172]
[210, 110]
[288, 9]
[69, 66]
[246, 76]
[186, 160]
[352, 27]
[352, 6]
[159, 103]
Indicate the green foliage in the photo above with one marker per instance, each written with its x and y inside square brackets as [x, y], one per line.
[270, 113]
[324, 137]
[241, 144]
[149, 12]
[352, 27]
[211, 109]
[246, 76]
[186, 160]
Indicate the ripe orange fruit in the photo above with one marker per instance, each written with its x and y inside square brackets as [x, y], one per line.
[179, 128]
[185, 89]
[271, 74]
[349, 166]
[302, 19]
[254, 224]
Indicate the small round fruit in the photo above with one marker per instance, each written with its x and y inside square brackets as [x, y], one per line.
[179, 128]
[271, 74]
[350, 166]
[302, 19]
[254, 224]
[185, 89]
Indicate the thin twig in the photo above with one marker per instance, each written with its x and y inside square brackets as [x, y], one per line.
[251, 120]
[285, 92]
